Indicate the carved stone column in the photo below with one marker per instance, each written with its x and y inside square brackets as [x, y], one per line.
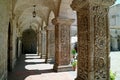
[50, 45]
[62, 44]
[43, 37]
[93, 39]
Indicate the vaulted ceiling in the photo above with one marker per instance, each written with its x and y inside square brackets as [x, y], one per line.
[46, 10]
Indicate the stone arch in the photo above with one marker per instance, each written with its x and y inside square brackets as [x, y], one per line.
[29, 41]
[51, 16]
[50, 39]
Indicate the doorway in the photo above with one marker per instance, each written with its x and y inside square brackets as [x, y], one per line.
[29, 41]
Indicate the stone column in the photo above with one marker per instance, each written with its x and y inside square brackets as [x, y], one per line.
[47, 41]
[19, 46]
[43, 37]
[114, 44]
[39, 44]
[93, 39]
[62, 44]
[50, 45]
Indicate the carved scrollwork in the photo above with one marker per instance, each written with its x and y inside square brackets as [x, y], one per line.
[100, 37]
[78, 4]
[100, 63]
[92, 18]
[83, 39]
[97, 9]
[103, 2]
[54, 21]
[65, 37]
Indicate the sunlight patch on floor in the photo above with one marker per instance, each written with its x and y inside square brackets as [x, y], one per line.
[32, 56]
[34, 60]
[39, 66]
[51, 76]
[115, 66]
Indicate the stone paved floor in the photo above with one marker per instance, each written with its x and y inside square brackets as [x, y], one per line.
[31, 67]
[115, 63]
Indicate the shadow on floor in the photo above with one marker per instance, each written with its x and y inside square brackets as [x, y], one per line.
[29, 64]
[31, 67]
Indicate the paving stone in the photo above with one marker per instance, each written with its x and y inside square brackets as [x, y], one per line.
[29, 68]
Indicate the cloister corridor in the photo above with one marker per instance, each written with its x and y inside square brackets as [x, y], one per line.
[35, 39]
[31, 67]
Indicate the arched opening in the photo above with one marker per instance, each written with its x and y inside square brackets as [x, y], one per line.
[29, 41]
[50, 37]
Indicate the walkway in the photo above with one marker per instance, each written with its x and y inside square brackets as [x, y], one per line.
[31, 67]
[115, 64]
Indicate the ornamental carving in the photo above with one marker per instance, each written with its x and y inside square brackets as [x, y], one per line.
[62, 42]
[78, 4]
[54, 21]
[96, 9]
[103, 2]
[92, 32]
[100, 42]
[65, 43]
[83, 39]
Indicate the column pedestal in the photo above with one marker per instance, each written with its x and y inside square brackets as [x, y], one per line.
[62, 68]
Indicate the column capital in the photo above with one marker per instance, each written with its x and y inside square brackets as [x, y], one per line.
[50, 28]
[45, 28]
[20, 37]
[57, 21]
[79, 4]
[43, 31]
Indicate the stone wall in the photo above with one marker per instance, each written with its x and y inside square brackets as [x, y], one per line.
[4, 20]
[14, 38]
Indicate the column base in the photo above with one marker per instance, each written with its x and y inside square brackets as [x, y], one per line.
[115, 49]
[62, 68]
[78, 78]
[43, 56]
[52, 61]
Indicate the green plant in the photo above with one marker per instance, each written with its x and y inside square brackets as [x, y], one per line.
[112, 75]
[73, 51]
[74, 63]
